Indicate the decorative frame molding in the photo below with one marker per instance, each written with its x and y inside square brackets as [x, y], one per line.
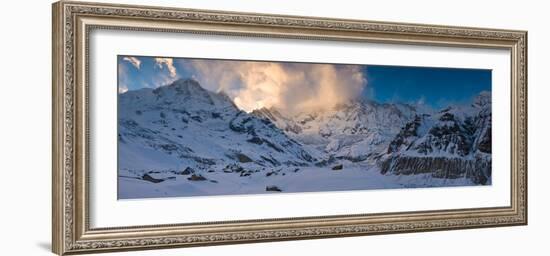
[72, 22]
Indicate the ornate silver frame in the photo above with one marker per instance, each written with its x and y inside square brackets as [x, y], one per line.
[72, 22]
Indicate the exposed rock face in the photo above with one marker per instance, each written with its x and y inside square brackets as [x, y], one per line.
[477, 169]
[454, 143]
[410, 130]
[484, 143]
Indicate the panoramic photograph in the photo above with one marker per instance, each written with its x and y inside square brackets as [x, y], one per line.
[212, 127]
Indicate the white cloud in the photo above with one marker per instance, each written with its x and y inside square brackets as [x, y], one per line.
[134, 61]
[122, 88]
[169, 63]
[122, 78]
[291, 87]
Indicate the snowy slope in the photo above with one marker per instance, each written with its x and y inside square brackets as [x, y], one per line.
[183, 125]
[183, 140]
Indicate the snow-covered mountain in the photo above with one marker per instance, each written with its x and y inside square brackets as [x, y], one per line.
[356, 131]
[453, 143]
[183, 125]
[181, 134]
[401, 138]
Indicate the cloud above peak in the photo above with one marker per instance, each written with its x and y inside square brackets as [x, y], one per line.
[289, 87]
[169, 63]
[134, 61]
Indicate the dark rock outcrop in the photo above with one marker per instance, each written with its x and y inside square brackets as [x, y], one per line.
[187, 171]
[196, 177]
[273, 188]
[477, 169]
[149, 178]
[338, 167]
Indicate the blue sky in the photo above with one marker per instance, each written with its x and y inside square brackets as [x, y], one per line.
[257, 84]
[437, 87]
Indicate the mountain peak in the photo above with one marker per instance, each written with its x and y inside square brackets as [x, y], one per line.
[185, 80]
[182, 84]
[188, 88]
[482, 99]
[186, 83]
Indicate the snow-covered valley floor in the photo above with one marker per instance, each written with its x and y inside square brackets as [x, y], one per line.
[183, 140]
[156, 184]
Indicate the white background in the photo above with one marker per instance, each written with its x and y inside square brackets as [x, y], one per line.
[25, 101]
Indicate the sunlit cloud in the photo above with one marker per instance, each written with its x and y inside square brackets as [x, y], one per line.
[134, 61]
[288, 87]
[291, 87]
[169, 63]
[301, 87]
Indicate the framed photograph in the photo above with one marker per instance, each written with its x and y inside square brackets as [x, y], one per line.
[179, 127]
